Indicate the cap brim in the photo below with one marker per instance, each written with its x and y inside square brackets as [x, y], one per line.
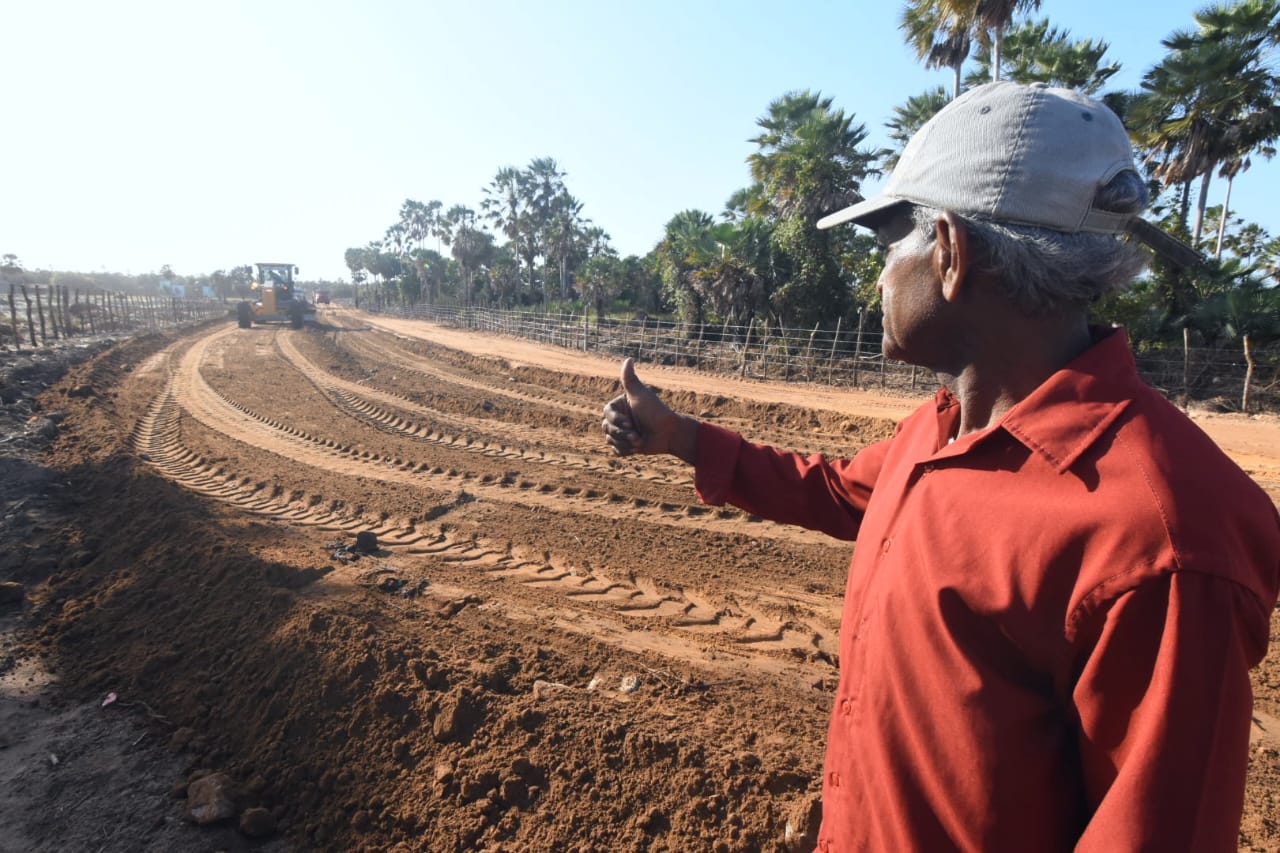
[867, 212]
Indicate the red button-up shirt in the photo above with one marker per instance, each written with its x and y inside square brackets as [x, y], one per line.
[1048, 624]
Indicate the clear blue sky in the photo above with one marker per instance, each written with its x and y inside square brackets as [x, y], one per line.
[204, 136]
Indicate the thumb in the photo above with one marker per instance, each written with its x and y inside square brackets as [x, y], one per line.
[631, 383]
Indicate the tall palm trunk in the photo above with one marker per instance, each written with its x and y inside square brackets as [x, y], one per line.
[1222, 225]
[1201, 203]
[997, 52]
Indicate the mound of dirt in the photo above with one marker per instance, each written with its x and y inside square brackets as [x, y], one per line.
[536, 646]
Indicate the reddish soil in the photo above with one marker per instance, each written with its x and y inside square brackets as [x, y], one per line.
[550, 649]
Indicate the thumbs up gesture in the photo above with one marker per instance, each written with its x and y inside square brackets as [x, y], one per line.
[637, 421]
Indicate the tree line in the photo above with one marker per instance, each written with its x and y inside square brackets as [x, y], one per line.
[221, 284]
[1204, 111]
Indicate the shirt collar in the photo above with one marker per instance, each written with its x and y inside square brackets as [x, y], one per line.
[1062, 418]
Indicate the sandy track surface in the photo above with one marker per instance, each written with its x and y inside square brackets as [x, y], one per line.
[549, 649]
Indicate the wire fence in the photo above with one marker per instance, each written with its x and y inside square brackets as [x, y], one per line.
[843, 355]
[44, 316]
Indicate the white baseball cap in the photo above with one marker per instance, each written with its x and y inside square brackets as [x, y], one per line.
[1016, 154]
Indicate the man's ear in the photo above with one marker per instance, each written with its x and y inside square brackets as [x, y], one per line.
[951, 255]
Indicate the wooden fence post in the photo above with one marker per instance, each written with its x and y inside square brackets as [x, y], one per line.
[831, 359]
[746, 346]
[763, 335]
[1186, 366]
[52, 299]
[857, 348]
[13, 320]
[1248, 374]
[31, 326]
[808, 355]
[49, 328]
[44, 332]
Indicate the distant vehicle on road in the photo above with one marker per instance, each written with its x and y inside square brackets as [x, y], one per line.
[277, 300]
[322, 297]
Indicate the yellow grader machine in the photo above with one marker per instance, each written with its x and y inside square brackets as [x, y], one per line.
[278, 301]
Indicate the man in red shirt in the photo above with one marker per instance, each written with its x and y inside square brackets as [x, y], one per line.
[1060, 582]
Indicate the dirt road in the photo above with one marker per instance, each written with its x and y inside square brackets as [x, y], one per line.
[548, 649]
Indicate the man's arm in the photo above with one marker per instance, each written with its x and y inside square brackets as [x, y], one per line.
[774, 484]
[1164, 708]
[786, 487]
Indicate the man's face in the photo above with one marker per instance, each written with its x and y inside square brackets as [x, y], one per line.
[909, 292]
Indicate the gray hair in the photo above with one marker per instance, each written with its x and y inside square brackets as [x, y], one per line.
[1046, 271]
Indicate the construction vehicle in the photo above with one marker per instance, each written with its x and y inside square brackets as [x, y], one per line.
[277, 299]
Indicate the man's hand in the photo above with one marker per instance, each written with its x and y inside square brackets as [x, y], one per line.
[637, 421]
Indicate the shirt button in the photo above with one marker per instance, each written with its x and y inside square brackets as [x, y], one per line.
[824, 846]
[846, 707]
[884, 546]
[833, 779]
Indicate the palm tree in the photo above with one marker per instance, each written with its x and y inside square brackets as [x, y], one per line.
[544, 198]
[397, 237]
[429, 221]
[419, 220]
[1210, 103]
[1246, 21]
[472, 247]
[504, 206]
[745, 202]
[562, 229]
[356, 259]
[941, 41]
[809, 164]
[594, 240]
[909, 118]
[1035, 52]
[686, 245]
[808, 160]
[1269, 260]
[740, 281]
[602, 280]
[984, 20]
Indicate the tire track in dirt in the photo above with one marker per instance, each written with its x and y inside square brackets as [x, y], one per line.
[396, 413]
[724, 629]
[366, 347]
[1240, 438]
[760, 422]
[226, 416]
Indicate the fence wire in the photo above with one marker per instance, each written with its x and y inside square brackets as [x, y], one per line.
[35, 316]
[841, 356]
